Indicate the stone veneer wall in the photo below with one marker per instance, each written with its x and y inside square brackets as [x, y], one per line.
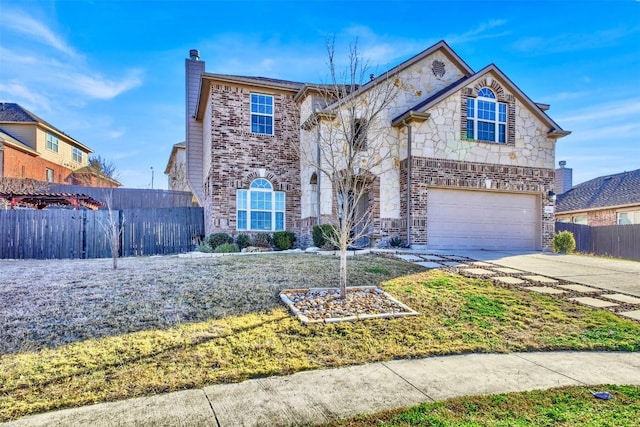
[427, 172]
[239, 156]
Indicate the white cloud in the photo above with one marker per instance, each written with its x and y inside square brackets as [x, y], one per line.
[24, 24]
[15, 91]
[99, 87]
[612, 110]
[482, 31]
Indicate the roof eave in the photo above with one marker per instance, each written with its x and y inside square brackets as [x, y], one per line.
[558, 133]
[599, 208]
[410, 117]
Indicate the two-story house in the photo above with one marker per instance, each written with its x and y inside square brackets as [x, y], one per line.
[470, 157]
[31, 148]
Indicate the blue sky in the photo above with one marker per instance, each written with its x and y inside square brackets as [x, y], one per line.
[111, 73]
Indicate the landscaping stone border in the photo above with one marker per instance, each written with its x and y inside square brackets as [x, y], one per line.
[408, 311]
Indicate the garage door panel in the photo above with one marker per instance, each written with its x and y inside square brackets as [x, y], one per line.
[482, 220]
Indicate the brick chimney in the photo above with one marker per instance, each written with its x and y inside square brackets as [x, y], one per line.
[564, 178]
[194, 68]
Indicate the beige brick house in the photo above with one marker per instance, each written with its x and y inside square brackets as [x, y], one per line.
[470, 165]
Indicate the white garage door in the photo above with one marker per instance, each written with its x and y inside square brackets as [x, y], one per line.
[459, 219]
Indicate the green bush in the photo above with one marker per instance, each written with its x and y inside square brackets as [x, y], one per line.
[396, 242]
[564, 242]
[284, 240]
[320, 234]
[216, 239]
[243, 240]
[203, 247]
[262, 240]
[226, 248]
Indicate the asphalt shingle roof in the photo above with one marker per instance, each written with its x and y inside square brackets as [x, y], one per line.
[611, 190]
[10, 112]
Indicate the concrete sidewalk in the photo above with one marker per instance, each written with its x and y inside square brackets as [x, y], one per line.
[318, 396]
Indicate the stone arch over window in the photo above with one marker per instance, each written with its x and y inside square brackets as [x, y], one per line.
[482, 88]
[259, 207]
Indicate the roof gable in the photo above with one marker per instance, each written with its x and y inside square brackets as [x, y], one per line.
[15, 113]
[555, 129]
[441, 46]
[605, 191]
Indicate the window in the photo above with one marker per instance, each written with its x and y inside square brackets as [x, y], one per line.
[260, 208]
[262, 114]
[52, 143]
[580, 219]
[359, 135]
[49, 174]
[632, 217]
[486, 118]
[76, 154]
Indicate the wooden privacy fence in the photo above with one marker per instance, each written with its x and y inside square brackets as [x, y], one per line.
[620, 241]
[64, 233]
[130, 198]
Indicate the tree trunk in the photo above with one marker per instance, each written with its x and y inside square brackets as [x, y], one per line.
[343, 271]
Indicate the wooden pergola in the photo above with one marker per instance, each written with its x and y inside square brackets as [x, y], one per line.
[42, 200]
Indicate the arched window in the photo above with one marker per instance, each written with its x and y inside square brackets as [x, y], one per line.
[260, 208]
[486, 118]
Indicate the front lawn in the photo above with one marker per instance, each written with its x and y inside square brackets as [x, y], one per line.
[260, 338]
[569, 406]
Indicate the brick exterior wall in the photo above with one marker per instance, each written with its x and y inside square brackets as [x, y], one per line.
[18, 164]
[239, 156]
[600, 217]
[455, 174]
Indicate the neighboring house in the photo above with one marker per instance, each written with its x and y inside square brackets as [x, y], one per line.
[31, 148]
[606, 200]
[176, 169]
[477, 173]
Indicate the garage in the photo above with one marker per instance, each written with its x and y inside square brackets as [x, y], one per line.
[462, 219]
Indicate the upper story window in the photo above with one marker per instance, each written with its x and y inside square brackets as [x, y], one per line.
[52, 143]
[359, 134]
[76, 154]
[260, 208]
[486, 118]
[262, 114]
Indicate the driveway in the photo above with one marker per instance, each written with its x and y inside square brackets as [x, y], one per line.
[607, 273]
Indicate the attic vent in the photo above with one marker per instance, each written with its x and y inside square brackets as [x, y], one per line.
[437, 67]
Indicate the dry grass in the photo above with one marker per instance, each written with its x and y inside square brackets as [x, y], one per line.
[459, 315]
[50, 303]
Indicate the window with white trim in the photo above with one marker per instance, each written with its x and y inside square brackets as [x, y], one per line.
[632, 217]
[76, 155]
[52, 143]
[486, 118]
[262, 114]
[48, 174]
[580, 219]
[260, 208]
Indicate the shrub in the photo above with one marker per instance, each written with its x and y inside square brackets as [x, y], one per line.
[284, 240]
[564, 242]
[243, 240]
[262, 240]
[396, 242]
[226, 248]
[216, 239]
[320, 234]
[203, 247]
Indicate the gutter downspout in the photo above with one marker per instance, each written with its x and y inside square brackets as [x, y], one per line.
[408, 183]
[319, 177]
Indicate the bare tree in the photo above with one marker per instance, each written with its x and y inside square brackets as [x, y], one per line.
[113, 227]
[350, 146]
[104, 166]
